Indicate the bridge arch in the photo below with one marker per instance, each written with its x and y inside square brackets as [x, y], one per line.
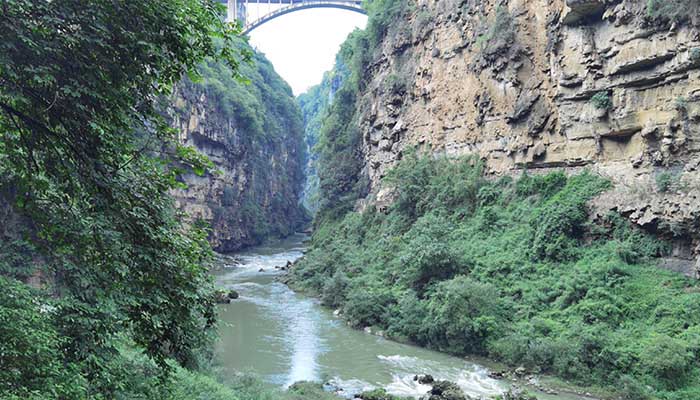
[237, 9]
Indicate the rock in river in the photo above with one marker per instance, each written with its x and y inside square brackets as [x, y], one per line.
[445, 390]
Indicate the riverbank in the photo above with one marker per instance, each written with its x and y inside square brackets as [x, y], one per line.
[513, 270]
[283, 336]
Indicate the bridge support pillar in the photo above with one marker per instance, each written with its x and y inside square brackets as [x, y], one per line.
[231, 8]
[237, 11]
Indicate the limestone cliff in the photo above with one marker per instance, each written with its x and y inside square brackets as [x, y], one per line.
[609, 85]
[254, 135]
[314, 107]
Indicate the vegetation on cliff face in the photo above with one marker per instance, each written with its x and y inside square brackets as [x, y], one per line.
[512, 269]
[254, 132]
[340, 161]
[314, 106]
[673, 10]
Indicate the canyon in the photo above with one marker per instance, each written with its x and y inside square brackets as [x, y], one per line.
[253, 134]
[544, 85]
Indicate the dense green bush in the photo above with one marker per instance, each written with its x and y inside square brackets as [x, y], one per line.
[464, 313]
[672, 10]
[31, 347]
[666, 181]
[560, 220]
[513, 269]
[602, 101]
[87, 162]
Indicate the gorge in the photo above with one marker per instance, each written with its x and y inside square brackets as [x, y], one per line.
[500, 193]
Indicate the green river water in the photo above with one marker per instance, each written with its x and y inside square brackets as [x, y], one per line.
[284, 337]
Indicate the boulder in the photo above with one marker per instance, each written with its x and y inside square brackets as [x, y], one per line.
[445, 390]
[232, 294]
[221, 297]
[426, 379]
[497, 374]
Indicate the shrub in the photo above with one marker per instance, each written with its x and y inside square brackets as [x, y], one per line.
[668, 359]
[335, 290]
[632, 389]
[31, 348]
[469, 265]
[464, 314]
[559, 222]
[634, 245]
[602, 101]
[410, 319]
[681, 103]
[544, 185]
[428, 256]
[378, 394]
[308, 391]
[395, 84]
[672, 10]
[367, 306]
[666, 181]
[695, 54]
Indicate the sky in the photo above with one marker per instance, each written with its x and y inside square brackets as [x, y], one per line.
[302, 45]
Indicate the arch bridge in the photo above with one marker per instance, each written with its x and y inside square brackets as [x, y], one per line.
[267, 10]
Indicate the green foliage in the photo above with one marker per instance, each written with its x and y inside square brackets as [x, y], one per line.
[602, 101]
[666, 181]
[633, 245]
[31, 347]
[695, 54]
[340, 160]
[88, 159]
[668, 359]
[425, 185]
[139, 379]
[672, 10]
[308, 391]
[513, 269]
[681, 103]
[367, 308]
[378, 394]
[14, 253]
[631, 389]
[395, 84]
[464, 314]
[315, 104]
[560, 221]
[382, 15]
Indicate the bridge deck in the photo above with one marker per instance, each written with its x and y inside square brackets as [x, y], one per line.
[237, 9]
[357, 2]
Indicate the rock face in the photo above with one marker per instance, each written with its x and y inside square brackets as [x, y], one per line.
[253, 133]
[314, 105]
[538, 84]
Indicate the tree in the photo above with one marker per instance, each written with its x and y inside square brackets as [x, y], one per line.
[86, 156]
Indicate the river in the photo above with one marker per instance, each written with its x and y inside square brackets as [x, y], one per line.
[284, 337]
